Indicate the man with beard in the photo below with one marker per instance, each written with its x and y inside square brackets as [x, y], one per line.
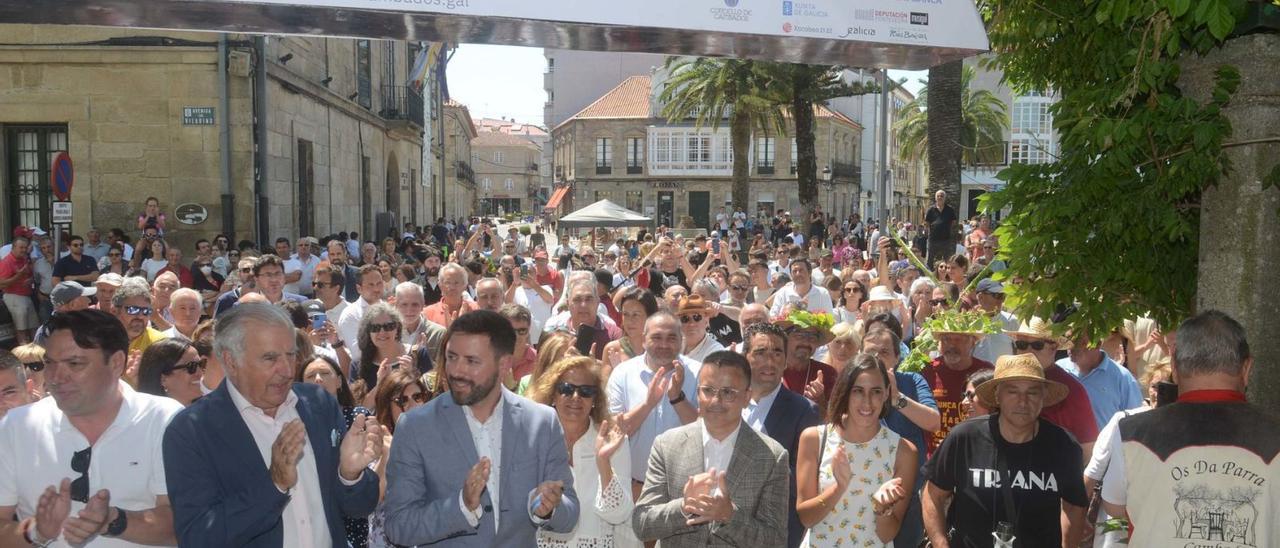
[431, 277]
[338, 258]
[481, 467]
[801, 292]
[805, 375]
[948, 374]
[489, 294]
[133, 308]
[695, 314]
[647, 393]
[772, 411]
[417, 330]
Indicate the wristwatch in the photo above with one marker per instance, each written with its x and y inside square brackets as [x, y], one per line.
[117, 526]
[677, 399]
[901, 402]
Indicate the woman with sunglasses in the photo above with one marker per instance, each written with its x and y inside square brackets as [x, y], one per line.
[173, 368]
[849, 308]
[115, 261]
[32, 357]
[382, 349]
[971, 406]
[400, 392]
[854, 476]
[601, 472]
[322, 370]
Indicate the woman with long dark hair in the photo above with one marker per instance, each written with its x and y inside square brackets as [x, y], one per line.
[322, 370]
[172, 368]
[397, 394]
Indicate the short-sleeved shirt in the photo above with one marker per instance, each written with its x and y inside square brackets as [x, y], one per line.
[818, 299]
[627, 389]
[940, 222]
[915, 388]
[37, 442]
[1111, 388]
[552, 278]
[146, 339]
[69, 266]
[948, 392]
[9, 266]
[974, 463]
[1074, 413]
[308, 270]
[796, 379]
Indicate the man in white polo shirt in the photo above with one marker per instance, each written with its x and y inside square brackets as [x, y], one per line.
[299, 269]
[100, 479]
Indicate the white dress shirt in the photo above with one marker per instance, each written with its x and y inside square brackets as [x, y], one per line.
[349, 327]
[539, 310]
[757, 410]
[717, 453]
[303, 517]
[488, 439]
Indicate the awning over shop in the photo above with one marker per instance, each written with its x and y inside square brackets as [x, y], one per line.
[556, 198]
[603, 213]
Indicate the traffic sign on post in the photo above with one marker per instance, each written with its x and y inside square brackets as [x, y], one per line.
[61, 213]
[62, 177]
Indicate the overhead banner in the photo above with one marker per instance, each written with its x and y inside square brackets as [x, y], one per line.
[930, 23]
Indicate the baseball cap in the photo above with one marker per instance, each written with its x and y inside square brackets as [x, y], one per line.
[988, 285]
[110, 278]
[36, 231]
[66, 292]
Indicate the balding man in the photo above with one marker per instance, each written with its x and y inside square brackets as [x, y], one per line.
[453, 301]
[166, 283]
[185, 305]
[751, 314]
[584, 309]
[942, 222]
[489, 294]
[417, 329]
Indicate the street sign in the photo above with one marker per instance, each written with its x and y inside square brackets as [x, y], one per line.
[62, 177]
[62, 213]
[197, 116]
[191, 214]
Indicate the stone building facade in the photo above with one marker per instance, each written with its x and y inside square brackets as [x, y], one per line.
[618, 149]
[460, 199]
[507, 172]
[140, 113]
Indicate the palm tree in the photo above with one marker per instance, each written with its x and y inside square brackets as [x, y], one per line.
[799, 88]
[982, 133]
[710, 90]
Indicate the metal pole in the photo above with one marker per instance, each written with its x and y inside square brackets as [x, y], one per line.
[224, 143]
[882, 183]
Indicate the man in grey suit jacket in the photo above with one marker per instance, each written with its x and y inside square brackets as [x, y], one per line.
[478, 467]
[716, 482]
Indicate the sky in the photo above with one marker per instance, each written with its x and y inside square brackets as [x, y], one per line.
[506, 81]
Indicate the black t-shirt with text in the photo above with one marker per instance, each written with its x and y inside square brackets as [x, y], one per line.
[725, 330]
[940, 222]
[1042, 473]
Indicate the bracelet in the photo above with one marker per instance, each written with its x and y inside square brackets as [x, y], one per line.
[338, 344]
[32, 536]
[677, 399]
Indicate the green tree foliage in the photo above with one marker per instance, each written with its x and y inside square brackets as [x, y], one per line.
[712, 90]
[985, 118]
[1112, 222]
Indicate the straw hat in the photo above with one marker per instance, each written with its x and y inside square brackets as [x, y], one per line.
[789, 326]
[1019, 367]
[693, 304]
[1037, 329]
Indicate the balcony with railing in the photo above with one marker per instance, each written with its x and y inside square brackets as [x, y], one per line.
[402, 104]
[844, 170]
[465, 173]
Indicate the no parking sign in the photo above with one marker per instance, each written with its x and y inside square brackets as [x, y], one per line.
[61, 176]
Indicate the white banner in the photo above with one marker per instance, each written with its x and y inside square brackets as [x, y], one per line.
[928, 23]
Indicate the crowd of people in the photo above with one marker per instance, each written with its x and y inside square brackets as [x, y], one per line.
[459, 385]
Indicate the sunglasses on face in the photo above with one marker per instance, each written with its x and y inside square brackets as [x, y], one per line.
[738, 287]
[970, 394]
[692, 318]
[137, 310]
[583, 391]
[380, 327]
[417, 397]
[938, 302]
[35, 366]
[190, 366]
[80, 465]
[852, 290]
[1034, 345]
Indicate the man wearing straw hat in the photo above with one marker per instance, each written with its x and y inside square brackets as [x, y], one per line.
[806, 332]
[947, 376]
[1075, 412]
[1009, 475]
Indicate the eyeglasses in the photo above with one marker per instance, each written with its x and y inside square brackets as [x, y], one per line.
[692, 318]
[853, 290]
[417, 397]
[584, 391]
[738, 287]
[938, 302]
[380, 327]
[80, 465]
[35, 366]
[1034, 345]
[970, 394]
[190, 366]
[137, 310]
[323, 284]
[727, 395]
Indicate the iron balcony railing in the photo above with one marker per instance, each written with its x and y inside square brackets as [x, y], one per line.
[402, 103]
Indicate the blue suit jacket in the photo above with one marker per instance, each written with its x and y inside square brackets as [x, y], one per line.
[221, 491]
[433, 452]
[790, 414]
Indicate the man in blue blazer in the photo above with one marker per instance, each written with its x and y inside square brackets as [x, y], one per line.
[775, 412]
[480, 466]
[262, 461]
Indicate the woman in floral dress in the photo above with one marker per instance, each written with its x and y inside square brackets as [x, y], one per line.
[853, 475]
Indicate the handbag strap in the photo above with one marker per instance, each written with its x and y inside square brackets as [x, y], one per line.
[1002, 465]
[822, 449]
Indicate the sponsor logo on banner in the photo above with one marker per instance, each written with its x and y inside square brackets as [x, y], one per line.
[913, 35]
[787, 8]
[802, 9]
[731, 13]
[858, 31]
[882, 16]
[787, 28]
[918, 18]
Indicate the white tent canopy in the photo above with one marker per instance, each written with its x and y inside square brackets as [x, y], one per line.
[603, 213]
